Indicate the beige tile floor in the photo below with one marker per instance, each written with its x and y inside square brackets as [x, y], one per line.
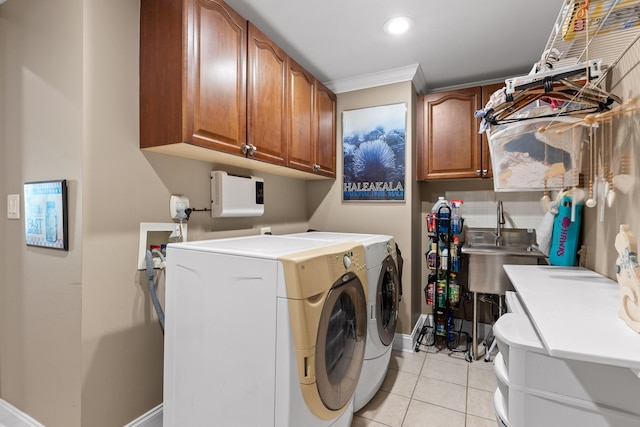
[432, 388]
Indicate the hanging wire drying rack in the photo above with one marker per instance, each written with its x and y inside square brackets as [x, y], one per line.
[613, 27]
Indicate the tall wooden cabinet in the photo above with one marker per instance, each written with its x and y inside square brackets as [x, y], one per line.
[449, 145]
[214, 87]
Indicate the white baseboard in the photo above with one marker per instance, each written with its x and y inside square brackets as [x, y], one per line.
[153, 418]
[404, 342]
[10, 416]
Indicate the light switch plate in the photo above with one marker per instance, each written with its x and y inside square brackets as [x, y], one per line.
[13, 206]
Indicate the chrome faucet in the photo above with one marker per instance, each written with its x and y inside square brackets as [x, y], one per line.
[499, 222]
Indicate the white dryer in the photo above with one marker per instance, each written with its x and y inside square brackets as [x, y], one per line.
[263, 331]
[382, 305]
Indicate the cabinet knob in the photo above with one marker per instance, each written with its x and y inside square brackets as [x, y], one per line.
[478, 172]
[485, 172]
[248, 149]
[316, 168]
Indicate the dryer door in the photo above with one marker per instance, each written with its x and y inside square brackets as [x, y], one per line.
[340, 343]
[387, 294]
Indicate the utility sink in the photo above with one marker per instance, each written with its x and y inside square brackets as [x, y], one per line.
[488, 252]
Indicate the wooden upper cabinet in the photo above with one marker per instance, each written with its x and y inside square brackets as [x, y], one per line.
[312, 117]
[193, 92]
[214, 87]
[448, 138]
[449, 145]
[216, 91]
[267, 98]
[301, 123]
[325, 163]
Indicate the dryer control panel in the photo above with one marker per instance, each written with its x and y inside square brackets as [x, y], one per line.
[312, 272]
[346, 260]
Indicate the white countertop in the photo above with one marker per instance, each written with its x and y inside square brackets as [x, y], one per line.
[575, 312]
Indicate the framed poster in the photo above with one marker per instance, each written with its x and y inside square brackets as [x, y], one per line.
[373, 147]
[45, 212]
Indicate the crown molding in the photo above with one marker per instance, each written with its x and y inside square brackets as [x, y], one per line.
[409, 73]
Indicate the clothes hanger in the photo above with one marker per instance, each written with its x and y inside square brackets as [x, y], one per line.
[589, 70]
[571, 103]
[628, 106]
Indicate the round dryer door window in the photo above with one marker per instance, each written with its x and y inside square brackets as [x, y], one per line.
[387, 301]
[340, 342]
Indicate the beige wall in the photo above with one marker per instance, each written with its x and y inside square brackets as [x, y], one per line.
[330, 213]
[3, 190]
[599, 236]
[42, 139]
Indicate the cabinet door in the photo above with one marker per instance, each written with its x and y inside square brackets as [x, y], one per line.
[487, 169]
[449, 143]
[266, 101]
[301, 123]
[325, 163]
[216, 101]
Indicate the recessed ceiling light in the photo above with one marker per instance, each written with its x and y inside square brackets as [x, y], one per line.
[397, 25]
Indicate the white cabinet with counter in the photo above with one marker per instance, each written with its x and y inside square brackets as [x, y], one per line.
[568, 359]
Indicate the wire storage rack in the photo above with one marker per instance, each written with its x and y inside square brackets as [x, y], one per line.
[443, 292]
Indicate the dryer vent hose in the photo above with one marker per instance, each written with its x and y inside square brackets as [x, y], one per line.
[152, 286]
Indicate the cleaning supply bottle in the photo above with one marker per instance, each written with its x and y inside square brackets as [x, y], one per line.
[441, 202]
[441, 292]
[432, 256]
[456, 217]
[455, 255]
[431, 289]
[442, 210]
[454, 291]
[444, 258]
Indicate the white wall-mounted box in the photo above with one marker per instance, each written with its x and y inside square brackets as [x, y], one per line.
[235, 195]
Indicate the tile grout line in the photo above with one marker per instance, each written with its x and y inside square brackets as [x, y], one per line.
[419, 375]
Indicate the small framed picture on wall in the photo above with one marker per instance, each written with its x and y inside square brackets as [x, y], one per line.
[45, 212]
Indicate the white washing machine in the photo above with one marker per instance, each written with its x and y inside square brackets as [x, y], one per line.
[263, 331]
[382, 305]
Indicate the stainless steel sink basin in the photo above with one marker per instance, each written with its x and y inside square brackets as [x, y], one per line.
[487, 254]
[512, 241]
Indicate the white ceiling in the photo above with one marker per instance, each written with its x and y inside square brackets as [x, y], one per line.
[455, 42]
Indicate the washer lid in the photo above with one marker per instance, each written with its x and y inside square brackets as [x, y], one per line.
[262, 246]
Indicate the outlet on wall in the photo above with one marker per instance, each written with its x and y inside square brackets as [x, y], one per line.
[177, 206]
